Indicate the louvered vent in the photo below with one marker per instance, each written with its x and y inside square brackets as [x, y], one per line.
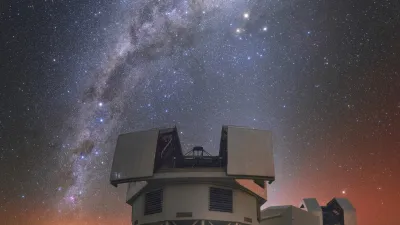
[153, 202]
[220, 200]
[248, 220]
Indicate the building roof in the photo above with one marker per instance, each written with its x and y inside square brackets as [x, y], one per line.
[310, 205]
[344, 204]
[274, 211]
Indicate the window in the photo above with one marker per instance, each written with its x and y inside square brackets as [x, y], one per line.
[220, 200]
[153, 202]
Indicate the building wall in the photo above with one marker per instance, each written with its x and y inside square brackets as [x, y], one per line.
[301, 217]
[350, 217]
[318, 214]
[195, 198]
[274, 221]
[311, 205]
[289, 216]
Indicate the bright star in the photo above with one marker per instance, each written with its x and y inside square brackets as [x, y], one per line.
[265, 28]
[101, 120]
[246, 15]
[100, 104]
[238, 30]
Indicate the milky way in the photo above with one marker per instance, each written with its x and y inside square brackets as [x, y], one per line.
[162, 37]
[322, 76]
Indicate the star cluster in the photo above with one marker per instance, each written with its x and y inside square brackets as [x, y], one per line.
[323, 76]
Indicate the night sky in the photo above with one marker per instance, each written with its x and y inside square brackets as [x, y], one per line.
[323, 75]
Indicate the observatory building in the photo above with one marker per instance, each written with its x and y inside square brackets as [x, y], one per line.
[168, 187]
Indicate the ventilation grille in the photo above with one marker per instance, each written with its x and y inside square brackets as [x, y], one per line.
[220, 200]
[153, 202]
[248, 220]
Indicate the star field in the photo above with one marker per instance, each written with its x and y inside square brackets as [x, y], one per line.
[323, 76]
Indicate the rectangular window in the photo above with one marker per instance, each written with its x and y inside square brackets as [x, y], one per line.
[153, 202]
[221, 200]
